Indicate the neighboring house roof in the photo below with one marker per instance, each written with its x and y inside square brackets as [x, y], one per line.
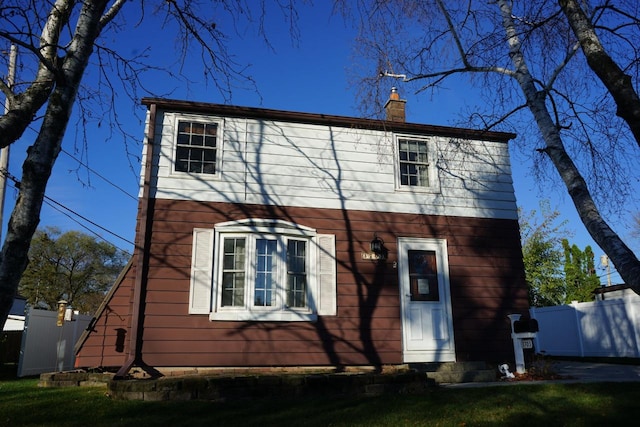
[15, 320]
[326, 119]
[18, 306]
[14, 323]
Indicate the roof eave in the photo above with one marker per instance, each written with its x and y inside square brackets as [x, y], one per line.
[325, 119]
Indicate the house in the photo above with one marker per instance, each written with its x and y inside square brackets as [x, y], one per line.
[278, 238]
[620, 291]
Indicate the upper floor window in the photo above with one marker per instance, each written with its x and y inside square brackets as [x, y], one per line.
[416, 164]
[196, 147]
[413, 157]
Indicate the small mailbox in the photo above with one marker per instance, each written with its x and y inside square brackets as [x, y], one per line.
[522, 332]
[525, 325]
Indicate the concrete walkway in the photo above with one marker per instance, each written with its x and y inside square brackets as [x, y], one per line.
[597, 372]
[573, 372]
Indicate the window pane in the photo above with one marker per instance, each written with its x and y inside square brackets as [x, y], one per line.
[423, 176]
[210, 141]
[195, 167]
[184, 127]
[296, 273]
[422, 152]
[196, 154]
[197, 140]
[233, 274]
[265, 272]
[209, 156]
[209, 168]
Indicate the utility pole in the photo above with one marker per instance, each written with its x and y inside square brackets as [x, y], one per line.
[604, 260]
[4, 153]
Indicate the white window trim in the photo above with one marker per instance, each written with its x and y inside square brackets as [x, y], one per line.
[434, 182]
[174, 146]
[275, 229]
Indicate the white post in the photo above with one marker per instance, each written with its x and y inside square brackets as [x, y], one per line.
[517, 345]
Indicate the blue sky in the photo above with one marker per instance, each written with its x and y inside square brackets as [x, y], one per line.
[310, 75]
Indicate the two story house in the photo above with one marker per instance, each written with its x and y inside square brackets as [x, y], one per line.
[277, 238]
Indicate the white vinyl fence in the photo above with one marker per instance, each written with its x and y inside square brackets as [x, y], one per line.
[609, 328]
[47, 347]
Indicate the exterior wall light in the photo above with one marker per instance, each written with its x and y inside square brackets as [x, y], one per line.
[377, 247]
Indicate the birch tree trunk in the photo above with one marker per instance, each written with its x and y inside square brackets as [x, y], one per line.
[61, 53]
[63, 76]
[624, 259]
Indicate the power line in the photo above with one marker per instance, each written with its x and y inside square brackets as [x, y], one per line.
[88, 220]
[57, 205]
[85, 227]
[99, 175]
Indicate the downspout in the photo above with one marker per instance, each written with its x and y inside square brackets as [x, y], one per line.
[142, 248]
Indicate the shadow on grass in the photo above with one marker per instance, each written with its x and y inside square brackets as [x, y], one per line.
[23, 403]
[8, 371]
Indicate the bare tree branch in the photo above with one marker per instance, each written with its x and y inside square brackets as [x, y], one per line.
[425, 44]
[615, 80]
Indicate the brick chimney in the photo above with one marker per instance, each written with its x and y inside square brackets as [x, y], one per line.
[395, 107]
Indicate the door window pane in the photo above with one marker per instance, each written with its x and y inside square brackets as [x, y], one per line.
[423, 276]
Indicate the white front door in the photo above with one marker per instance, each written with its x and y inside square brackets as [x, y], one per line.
[425, 300]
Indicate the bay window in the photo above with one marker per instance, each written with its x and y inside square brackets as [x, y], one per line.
[263, 270]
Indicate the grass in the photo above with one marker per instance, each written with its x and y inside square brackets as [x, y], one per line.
[23, 403]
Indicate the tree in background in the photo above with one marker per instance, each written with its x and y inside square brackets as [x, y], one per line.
[70, 266]
[580, 273]
[542, 254]
[59, 41]
[561, 73]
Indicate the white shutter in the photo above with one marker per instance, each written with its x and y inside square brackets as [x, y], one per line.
[201, 271]
[327, 282]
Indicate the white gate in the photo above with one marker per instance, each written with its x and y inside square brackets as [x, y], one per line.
[47, 347]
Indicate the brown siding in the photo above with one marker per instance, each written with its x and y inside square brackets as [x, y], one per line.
[486, 275]
[108, 343]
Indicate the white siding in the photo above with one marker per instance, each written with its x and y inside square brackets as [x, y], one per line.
[294, 164]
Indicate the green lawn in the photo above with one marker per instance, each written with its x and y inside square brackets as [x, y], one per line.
[23, 403]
